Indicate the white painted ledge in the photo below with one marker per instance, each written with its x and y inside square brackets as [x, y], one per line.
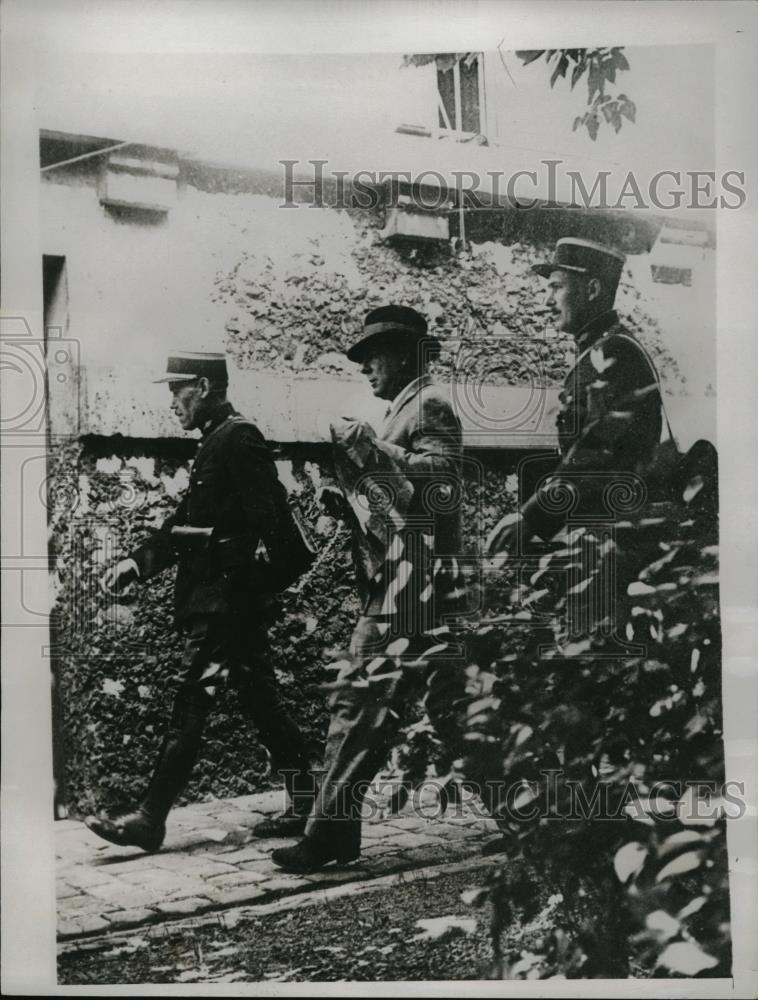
[299, 409]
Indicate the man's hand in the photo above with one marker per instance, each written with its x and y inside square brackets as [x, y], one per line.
[356, 437]
[332, 502]
[509, 535]
[117, 578]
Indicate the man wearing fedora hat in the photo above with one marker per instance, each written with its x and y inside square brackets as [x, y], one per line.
[232, 506]
[417, 456]
[610, 414]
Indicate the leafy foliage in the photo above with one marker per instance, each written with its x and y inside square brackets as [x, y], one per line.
[444, 61]
[601, 744]
[600, 67]
[118, 665]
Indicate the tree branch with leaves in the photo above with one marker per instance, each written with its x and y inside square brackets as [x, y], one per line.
[600, 67]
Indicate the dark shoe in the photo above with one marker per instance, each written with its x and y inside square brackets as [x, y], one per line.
[307, 856]
[286, 825]
[497, 846]
[131, 830]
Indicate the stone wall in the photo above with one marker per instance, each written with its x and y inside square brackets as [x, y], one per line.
[297, 312]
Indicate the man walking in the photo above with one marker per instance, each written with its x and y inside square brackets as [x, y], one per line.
[406, 569]
[609, 421]
[233, 504]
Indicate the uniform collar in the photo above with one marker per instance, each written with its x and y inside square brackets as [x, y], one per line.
[408, 393]
[217, 416]
[595, 329]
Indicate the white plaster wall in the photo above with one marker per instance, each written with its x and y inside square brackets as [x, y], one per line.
[136, 291]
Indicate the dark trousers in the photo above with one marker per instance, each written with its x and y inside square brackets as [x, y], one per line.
[219, 651]
[363, 725]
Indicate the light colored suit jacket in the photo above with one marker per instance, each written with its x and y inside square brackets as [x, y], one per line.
[414, 464]
[422, 434]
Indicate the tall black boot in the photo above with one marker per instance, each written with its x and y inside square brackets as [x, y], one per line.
[146, 827]
[301, 787]
[261, 703]
[172, 772]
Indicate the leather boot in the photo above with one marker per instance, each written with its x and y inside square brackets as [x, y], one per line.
[129, 830]
[172, 772]
[300, 784]
[286, 824]
[146, 827]
[309, 856]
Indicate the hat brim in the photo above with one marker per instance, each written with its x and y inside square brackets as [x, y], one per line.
[545, 270]
[184, 377]
[358, 351]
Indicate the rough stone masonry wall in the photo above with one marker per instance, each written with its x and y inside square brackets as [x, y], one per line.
[485, 303]
[289, 311]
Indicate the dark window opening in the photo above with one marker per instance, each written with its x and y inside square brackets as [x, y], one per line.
[470, 116]
[446, 88]
[460, 97]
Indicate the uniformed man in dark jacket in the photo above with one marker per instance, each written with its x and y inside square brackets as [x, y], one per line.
[224, 522]
[609, 423]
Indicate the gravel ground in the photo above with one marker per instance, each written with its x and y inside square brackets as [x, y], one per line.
[358, 937]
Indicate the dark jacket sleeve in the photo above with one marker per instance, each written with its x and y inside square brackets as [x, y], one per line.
[158, 551]
[618, 427]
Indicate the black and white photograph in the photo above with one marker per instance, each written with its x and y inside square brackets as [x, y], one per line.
[378, 549]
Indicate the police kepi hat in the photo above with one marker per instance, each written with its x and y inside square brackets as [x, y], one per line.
[186, 366]
[394, 325]
[584, 257]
